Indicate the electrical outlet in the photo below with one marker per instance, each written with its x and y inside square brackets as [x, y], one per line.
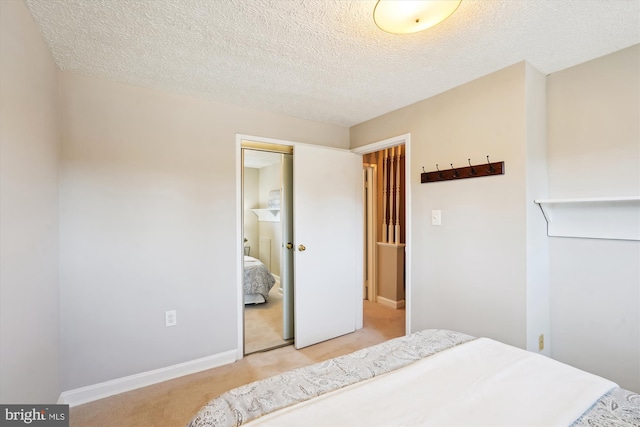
[541, 342]
[170, 318]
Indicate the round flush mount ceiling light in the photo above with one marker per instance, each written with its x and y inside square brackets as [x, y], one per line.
[411, 16]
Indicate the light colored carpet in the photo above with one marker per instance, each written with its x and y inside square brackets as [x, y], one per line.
[173, 403]
[263, 324]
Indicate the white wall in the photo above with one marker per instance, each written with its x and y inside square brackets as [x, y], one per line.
[470, 274]
[29, 144]
[594, 151]
[147, 202]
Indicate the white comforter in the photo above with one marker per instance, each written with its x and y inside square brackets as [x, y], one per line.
[482, 382]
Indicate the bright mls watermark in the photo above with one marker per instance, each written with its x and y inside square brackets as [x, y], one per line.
[34, 415]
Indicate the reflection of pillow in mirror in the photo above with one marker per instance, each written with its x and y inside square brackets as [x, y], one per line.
[274, 199]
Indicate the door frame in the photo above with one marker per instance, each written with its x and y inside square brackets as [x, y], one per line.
[369, 148]
[240, 228]
[381, 145]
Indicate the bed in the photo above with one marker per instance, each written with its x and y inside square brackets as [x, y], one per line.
[258, 281]
[432, 377]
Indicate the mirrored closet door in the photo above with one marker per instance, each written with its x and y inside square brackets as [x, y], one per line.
[268, 299]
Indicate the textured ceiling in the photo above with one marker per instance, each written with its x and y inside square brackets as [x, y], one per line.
[259, 159]
[321, 60]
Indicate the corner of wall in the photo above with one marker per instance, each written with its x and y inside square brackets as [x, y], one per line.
[538, 302]
[29, 232]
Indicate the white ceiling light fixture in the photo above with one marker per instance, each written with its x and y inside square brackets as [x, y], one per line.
[410, 16]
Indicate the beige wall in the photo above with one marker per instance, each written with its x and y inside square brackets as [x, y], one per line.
[270, 179]
[390, 274]
[251, 201]
[594, 143]
[148, 214]
[470, 273]
[594, 151]
[29, 143]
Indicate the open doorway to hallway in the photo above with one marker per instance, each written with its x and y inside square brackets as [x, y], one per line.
[385, 227]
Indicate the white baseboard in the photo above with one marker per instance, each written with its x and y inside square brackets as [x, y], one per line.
[93, 392]
[389, 302]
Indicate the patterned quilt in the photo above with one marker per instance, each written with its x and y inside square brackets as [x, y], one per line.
[257, 278]
[618, 408]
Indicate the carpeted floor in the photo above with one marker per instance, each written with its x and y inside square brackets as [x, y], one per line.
[263, 324]
[173, 403]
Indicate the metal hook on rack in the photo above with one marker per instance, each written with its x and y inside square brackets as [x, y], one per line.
[473, 170]
[455, 172]
[491, 168]
[440, 174]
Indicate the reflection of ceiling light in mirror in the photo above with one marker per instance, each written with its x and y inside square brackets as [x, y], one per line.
[408, 16]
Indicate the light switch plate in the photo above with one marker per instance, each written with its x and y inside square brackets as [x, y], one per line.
[436, 217]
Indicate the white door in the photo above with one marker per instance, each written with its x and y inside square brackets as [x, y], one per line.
[327, 199]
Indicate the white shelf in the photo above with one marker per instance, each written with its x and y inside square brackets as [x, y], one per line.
[590, 200]
[267, 215]
[616, 218]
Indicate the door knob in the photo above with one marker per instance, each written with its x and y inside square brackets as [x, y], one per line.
[289, 245]
[301, 248]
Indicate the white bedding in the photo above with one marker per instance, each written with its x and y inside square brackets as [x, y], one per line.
[445, 389]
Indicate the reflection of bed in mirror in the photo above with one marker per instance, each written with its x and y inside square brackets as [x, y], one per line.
[258, 281]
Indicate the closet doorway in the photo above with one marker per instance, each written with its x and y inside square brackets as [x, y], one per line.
[326, 215]
[267, 262]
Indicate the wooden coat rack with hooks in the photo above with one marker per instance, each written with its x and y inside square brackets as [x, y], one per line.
[487, 169]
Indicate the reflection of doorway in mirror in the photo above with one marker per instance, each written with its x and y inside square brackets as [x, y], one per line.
[262, 228]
